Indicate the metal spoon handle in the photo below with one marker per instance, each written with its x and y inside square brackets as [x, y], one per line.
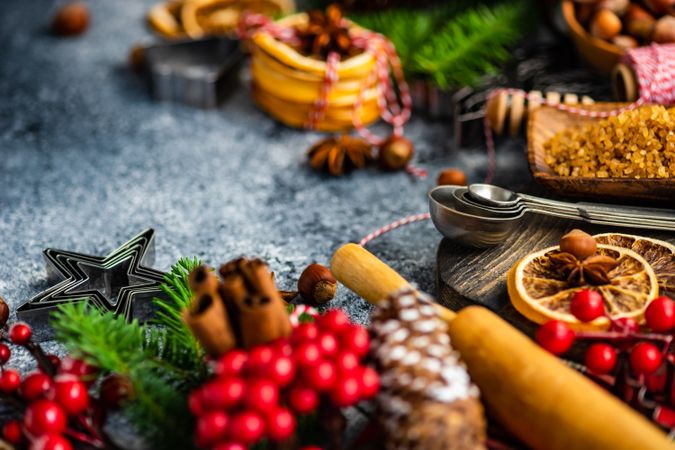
[604, 219]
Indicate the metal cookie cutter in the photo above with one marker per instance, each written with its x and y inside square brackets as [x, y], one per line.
[198, 73]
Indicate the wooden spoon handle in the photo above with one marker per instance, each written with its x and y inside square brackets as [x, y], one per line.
[370, 278]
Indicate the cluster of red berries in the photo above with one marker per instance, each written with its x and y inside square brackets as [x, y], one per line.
[256, 394]
[51, 398]
[601, 358]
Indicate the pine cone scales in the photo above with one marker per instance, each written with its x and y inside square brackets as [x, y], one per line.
[427, 400]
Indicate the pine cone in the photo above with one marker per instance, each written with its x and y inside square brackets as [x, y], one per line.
[427, 400]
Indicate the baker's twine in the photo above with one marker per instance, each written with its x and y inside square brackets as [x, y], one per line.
[654, 68]
[386, 58]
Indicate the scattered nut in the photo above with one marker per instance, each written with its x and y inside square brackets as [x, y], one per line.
[660, 6]
[618, 7]
[578, 243]
[396, 152]
[624, 41]
[605, 24]
[664, 30]
[72, 19]
[317, 284]
[451, 176]
[639, 22]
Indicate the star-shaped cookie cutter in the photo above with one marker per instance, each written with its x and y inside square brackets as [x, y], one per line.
[120, 282]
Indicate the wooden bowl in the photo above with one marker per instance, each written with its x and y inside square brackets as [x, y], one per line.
[598, 53]
[544, 122]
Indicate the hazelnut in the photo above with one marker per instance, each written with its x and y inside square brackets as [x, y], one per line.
[4, 312]
[624, 41]
[396, 152]
[578, 243]
[605, 24]
[618, 7]
[317, 284]
[664, 30]
[660, 6]
[115, 390]
[451, 176]
[72, 19]
[639, 22]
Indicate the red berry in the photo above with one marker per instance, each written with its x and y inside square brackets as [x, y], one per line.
[355, 338]
[231, 363]
[223, 394]
[229, 446]
[51, 442]
[328, 344]
[5, 353]
[555, 336]
[304, 332]
[211, 428]
[321, 376]
[587, 305]
[346, 392]
[347, 363]
[36, 385]
[280, 424]
[303, 400]
[11, 431]
[283, 347]
[258, 360]
[645, 358]
[660, 314]
[307, 354]
[282, 370]
[600, 358]
[334, 320]
[20, 333]
[10, 380]
[71, 394]
[195, 404]
[311, 447]
[370, 383]
[44, 417]
[85, 372]
[261, 395]
[248, 427]
[625, 324]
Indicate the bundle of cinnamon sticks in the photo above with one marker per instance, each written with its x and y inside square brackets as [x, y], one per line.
[241, 308]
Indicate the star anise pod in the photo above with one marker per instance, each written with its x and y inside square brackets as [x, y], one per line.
[592, 270]
[325, 33]
[340, 154]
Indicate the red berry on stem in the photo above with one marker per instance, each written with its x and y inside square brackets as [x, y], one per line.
[71, 394]
[261, 395]
[229, 446]
[195, 403]
[370, 383]
[555, 336]
[5, 353]
[347, 363]
[307, 354]
[44, 417]
[311, 447]
[346, 392]
[231, 363]
[600, 358]
[36, 385]
[11, 431]
[20, 333]
[282, 370]
[645, 358]
[223, 394]
[303, 400]
[247, 427]
[328, 344]
[304, 332]
[334, 320]
[321, 376]
[258, 360]
[283, 347]
[85, 372]
[587, 305]
[355, 338]
[10, 380]
[51, 442]
[280, 424]
[660, 314]
[211, 428]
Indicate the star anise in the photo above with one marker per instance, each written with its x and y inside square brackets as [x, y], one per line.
[340, 154]
[325, 33]
[592, 270]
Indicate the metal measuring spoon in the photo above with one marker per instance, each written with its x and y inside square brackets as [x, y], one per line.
[496, 196]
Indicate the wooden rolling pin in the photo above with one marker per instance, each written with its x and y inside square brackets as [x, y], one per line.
[544, 403]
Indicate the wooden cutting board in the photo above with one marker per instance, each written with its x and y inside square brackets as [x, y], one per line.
[468, 276]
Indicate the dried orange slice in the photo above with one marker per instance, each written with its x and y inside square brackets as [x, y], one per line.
[540, 292]
[659, 254]
[164, 18]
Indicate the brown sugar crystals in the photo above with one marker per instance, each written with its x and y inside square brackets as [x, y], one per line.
[639, 143]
